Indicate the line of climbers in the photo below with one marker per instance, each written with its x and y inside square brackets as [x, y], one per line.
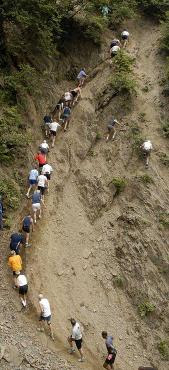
[39, 180]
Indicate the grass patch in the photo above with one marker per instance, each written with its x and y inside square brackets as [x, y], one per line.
[165, 128]
[10, 193]
[146, 308]
[146, 179]
[119, 184]
[164, 220]
[118, 281]
[163, 348]
[164, 159]
[142, 117]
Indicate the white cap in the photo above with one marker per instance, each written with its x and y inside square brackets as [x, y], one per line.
[40, 296]
[44, 141]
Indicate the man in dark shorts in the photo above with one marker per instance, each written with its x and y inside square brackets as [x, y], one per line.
[45, 312]
[66, 117]
[16, 240]
[59, 107]
[110, 359]
[76, 337]
[27, 225]
[47, 120]
[22, 284]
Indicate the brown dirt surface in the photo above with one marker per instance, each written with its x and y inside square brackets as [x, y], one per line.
[89, 240]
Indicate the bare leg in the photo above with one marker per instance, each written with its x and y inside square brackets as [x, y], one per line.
[51, 331]
[81, 354]
[40, 213]
[114, 133]
[15, 281]
[30, 187]
[66, 124]
[53, 140]
[27, 238]
[34, 216]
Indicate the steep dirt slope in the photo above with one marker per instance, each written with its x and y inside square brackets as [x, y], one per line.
[88, 239]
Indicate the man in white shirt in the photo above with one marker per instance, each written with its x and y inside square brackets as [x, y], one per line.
[45, 312]
[114, 50]
[42, 185]
[22, 284]
[32, 178]
[147, 148]
[44, 147]
[53, 128]
[125, 37]
[46, 171]
[76, 337]
[68, 97]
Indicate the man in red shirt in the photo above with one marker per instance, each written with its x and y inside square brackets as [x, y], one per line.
[41, 158]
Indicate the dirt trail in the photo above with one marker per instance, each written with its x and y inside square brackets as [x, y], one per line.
[69, 251]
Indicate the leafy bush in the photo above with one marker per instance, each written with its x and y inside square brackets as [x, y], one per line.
[119, 184]
[12, 135]
[155, 8]
[164, 159]
[94, 27]
[10, 193]
[163, 348]
[122, 81]
[146, 308]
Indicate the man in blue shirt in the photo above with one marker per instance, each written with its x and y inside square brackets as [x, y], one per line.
[66, 116]
[16, 240]
[81, 77]
[36, 204]
[108, 364]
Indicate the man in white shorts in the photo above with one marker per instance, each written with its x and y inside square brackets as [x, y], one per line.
[53, 128]
[125, 37]
[22, 284]
[68, 98]
[147, 148]
[76, 337]
[44, 147]
[47, 171]
[45, 314]
[42, 185]
[36, 204]
[114, 50]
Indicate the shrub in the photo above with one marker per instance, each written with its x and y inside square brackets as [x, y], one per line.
[119, 184]
[155, 8]
[146, 308]
[165, 127]
[164, 220]
[118, 281]
[94, 27]
[10, 193]
[146, 179]
[12, 135]
[122, 81]
[164, 159]
[163, 348]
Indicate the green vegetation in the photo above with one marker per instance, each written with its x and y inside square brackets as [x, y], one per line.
[118, 281]
[163, 348]
[142, 117]
[12, 135]
[146, 308]
[122, 81]
[164, 220]
[10, 193]
[165, 128]
[119, 184]
[164, 159]
[156, 8]
[146, 179]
